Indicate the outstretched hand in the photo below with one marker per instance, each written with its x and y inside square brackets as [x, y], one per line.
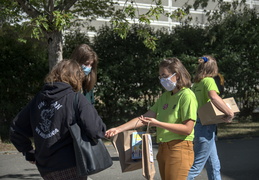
[148, 120]
[111, 132]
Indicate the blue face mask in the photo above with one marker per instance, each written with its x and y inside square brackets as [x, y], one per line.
[86, 69]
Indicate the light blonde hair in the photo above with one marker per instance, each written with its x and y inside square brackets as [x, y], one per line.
[174, 65]
[206, 69]
[67, 71]
[83, 54]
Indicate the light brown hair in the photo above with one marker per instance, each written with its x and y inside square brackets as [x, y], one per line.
[83, 54]
[206, 69]
[67, 71]
[174, 65]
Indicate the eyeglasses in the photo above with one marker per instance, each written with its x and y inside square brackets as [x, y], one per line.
[166, 77]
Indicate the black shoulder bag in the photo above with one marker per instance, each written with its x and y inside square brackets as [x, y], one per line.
[91, 155]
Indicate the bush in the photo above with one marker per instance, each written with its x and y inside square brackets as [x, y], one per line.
[24, 66]
[127, 76]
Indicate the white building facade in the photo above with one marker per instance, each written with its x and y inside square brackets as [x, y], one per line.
[198, 15]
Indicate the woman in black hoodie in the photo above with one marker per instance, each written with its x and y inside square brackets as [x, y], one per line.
[46, 119]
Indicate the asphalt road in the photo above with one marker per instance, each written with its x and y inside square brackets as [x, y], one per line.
[239, 161]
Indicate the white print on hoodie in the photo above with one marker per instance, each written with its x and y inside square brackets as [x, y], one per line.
[46, 114]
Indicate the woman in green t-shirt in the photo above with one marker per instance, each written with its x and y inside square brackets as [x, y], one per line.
[88, 60]
[205, 150]
[174, 115]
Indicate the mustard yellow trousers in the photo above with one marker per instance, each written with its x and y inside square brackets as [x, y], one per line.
[175, 158]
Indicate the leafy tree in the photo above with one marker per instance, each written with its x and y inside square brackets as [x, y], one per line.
[127, 75]
[23, 68]
[184, 42]
[49, 18]
[236, 41]
[72, 40]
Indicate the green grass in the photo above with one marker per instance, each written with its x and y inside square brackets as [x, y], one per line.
[238, 130]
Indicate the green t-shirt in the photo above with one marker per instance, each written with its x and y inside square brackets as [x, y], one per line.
[175, 109]
[202, 88]
[90, 96]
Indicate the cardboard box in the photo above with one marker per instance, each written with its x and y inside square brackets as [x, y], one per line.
[210, 114]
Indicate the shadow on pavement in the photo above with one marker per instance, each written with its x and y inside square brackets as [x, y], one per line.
[115, 159]
[239, 161]
[21, 176]
[239, 158]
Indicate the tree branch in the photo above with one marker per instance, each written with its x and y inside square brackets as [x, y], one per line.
[66, 6]
[51, 6]
[45, 7]
[28, 8]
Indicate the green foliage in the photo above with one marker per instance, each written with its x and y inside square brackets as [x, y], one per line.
[189, 40]
[92, 9]
[61, 20]
[130, 11]
[43, 23]
[177, 14]
[236, 42]
[122, 26]
[127, 76]
[127, 71]
[50, 18]
[222, 9]
[47, 16]
[190, 63]
[23, 67]
[72, 40]
[9, 12]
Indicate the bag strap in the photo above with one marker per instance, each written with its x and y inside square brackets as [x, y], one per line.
[76, 117]
[148, 126]
[75, 106]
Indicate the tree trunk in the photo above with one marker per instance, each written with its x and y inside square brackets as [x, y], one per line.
[55, 48]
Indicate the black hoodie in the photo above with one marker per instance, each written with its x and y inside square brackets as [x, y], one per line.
[46, 119]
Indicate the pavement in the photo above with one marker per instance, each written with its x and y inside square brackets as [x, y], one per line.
[239, 161]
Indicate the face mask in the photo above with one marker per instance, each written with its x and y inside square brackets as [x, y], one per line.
[167, 83]
[86, 69]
